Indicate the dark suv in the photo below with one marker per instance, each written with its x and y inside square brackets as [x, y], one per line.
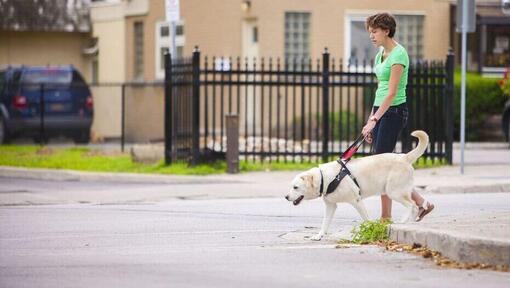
[44, 101]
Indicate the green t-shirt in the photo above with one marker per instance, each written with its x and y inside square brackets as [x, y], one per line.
[398, 55]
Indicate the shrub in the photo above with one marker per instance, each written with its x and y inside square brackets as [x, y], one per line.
[483, 97]
[504, 83]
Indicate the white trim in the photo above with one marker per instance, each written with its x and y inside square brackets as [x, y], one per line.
[347, 40]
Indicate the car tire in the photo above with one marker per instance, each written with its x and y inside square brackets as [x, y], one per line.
[82, 137]
[4, 135]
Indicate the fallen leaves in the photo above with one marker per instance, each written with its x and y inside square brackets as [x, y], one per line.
[436, 256]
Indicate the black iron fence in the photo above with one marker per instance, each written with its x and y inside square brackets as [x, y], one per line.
[294, 110]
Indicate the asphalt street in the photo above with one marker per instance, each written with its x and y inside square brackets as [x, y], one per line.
[261, 242]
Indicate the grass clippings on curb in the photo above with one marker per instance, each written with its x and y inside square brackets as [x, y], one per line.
[370, 232]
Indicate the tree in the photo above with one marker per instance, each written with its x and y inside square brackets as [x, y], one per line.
[44, 15]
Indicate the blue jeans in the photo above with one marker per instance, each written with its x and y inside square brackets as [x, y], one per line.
[388, 128]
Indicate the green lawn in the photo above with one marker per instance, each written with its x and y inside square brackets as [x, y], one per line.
[85, 159]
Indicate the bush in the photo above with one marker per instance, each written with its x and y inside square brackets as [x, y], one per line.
[483, 97]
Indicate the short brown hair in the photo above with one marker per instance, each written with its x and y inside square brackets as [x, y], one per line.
[383, 21]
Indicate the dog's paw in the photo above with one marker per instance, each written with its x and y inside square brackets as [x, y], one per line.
[316, 237]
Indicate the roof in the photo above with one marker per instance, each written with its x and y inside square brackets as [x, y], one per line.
[45, 15]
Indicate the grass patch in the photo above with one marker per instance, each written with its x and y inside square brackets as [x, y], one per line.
[370, 232]
[86, 159]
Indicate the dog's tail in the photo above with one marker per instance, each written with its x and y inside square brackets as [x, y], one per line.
[423, 141]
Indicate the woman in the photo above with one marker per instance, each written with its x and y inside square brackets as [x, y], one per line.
[389, 112]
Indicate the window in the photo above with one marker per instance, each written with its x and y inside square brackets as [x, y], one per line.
[138, 50]
[297, 36]
[409, 33]
[95, 71]
[164, 44]
[255, 35]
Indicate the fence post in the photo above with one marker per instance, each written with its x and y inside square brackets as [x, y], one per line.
[42, 133]
[449, 104]
[232, 143]
[196, 107]
[168, 108]
[325, 105]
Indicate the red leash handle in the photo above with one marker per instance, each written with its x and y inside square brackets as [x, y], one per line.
[346, 156]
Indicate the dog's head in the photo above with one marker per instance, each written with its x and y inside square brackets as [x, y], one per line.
[305, 186]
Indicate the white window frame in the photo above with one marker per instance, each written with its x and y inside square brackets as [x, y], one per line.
[165, 42]
[353, 15]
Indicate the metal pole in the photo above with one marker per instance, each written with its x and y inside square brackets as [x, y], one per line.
[122, 117]
[41, 114]
[174, 48]
[196, 107]
[449, 105]
[232, 143]
[463, 85]
[168, 109]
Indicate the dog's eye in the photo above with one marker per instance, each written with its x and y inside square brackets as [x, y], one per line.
[295, 187]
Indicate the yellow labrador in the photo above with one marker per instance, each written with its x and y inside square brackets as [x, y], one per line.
[389, 173]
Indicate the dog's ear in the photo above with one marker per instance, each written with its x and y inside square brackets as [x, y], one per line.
[309, 180]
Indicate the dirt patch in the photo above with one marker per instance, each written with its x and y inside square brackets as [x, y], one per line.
[94, 153]
[45, 151]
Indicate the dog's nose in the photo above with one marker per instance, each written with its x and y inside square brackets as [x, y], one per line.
[287, 197]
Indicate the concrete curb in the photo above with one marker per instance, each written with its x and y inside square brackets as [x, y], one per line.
[71, 175]
[457, 246]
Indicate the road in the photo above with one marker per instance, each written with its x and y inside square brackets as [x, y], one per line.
[260, 242]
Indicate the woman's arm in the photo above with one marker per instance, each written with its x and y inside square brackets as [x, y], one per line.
[395, 74]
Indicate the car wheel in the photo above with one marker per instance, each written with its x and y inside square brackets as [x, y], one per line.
[4, 136]
[82, 137]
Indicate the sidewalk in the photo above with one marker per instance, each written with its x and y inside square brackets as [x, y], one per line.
[477, 237]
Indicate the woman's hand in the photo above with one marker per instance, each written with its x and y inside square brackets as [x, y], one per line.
[367, 130]
[369, 138]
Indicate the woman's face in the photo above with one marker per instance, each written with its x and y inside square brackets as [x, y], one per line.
[377, 35]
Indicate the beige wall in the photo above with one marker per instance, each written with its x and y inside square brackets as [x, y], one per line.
[111, 57]
[215, 25]
[45, 48]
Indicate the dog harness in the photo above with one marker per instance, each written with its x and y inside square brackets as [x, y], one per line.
[334, 184]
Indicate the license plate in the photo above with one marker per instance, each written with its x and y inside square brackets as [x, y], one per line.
[57, 107]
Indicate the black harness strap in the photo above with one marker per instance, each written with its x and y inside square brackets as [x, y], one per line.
[343, 172]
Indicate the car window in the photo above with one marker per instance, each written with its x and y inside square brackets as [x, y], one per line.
[33, 79]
